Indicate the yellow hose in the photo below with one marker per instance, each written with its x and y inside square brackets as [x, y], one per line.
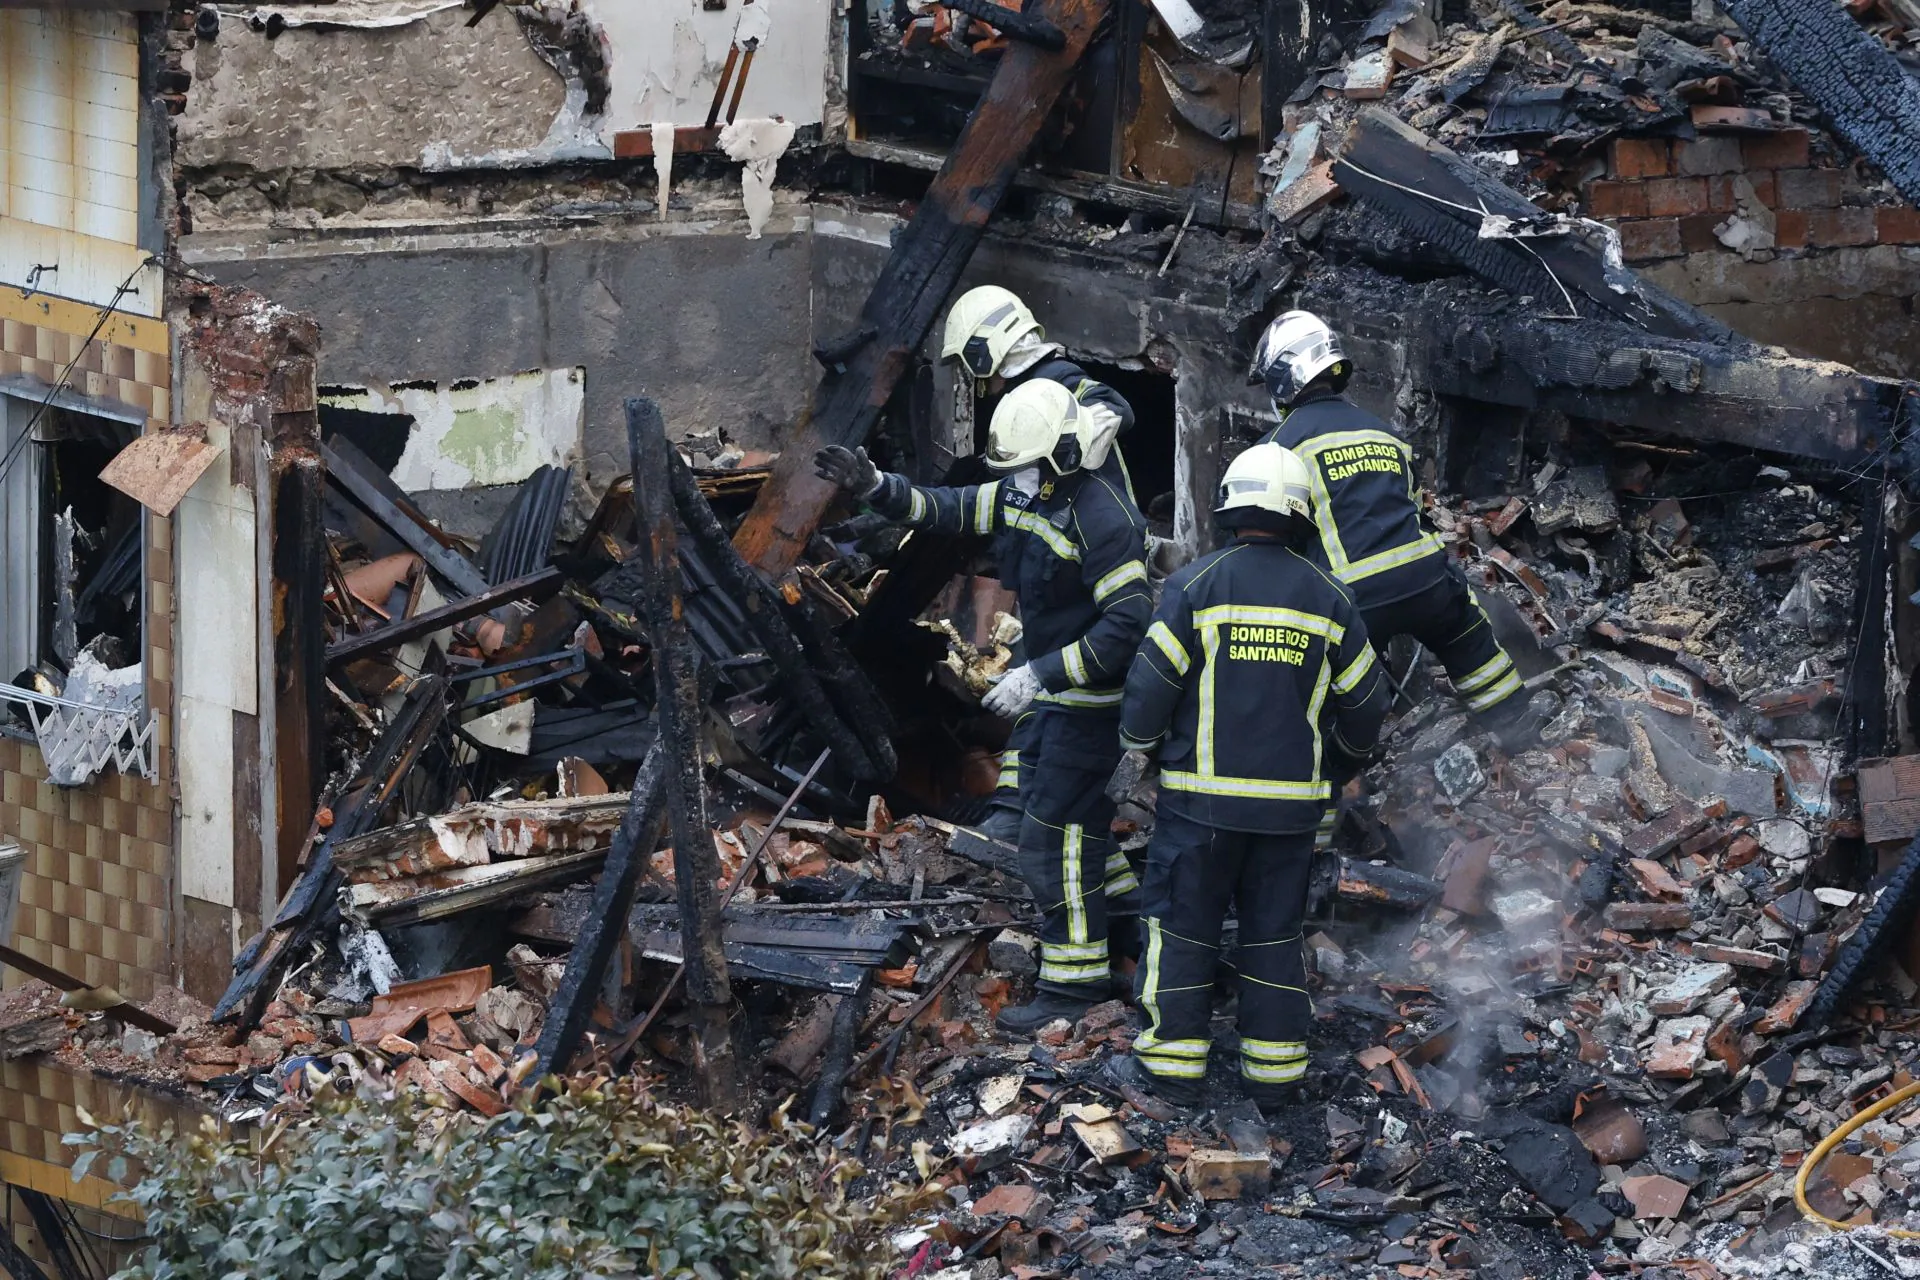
[1834, 1139]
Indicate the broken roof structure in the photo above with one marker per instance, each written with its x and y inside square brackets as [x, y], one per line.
[445, 667]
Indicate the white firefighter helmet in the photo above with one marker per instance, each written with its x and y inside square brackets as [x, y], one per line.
[983, 326]
[1036, 420]
[1296, 348]
[1269, 477]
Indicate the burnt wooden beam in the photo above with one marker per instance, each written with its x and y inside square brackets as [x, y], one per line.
[355, 475]
[1868, 97]
[1453, 339]
[680, 712]
[605, 924]
[535, 587]
[1447, 201]
[299, 562]
[124, 1011]
[923, 268]
[840, 703]
[311, 904]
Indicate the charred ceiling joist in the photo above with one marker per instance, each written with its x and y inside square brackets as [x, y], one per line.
[1571, 331]
[1831, 58]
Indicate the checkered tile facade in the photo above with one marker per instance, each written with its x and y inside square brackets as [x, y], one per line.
[97, 897]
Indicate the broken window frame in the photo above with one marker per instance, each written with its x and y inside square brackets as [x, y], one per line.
[26, 524]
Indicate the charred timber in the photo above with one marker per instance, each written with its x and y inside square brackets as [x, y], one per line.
[311, 905]
[680, 713]
[1456, 340]
[919, 274]
[355, 475]
[839, 702]
[1870, 99]
[571, 1008]
[535, 587]
[1445, 200]
[299, 649]
[1379, 885]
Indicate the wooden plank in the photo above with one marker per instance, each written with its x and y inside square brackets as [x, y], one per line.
[356, 476]
[680, 713]
[157, 470]
[913, 286]
[534, 587]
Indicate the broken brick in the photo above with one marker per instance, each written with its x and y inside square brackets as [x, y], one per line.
[1229, 1175]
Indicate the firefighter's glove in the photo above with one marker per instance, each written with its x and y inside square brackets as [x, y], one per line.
[1135, 767]
[1016, 689]
[851, 469]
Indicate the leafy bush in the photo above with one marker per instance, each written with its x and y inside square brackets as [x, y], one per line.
[582, 1178]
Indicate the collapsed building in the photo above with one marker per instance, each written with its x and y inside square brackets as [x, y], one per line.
[380, 377]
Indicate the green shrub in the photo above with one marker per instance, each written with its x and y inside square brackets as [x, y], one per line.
[582, 1178]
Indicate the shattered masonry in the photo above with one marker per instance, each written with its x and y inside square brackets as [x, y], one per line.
[1635, 278]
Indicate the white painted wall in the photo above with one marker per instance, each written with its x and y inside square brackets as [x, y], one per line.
[70, 155]
[668, 55]
[216, 672]
[493, 431]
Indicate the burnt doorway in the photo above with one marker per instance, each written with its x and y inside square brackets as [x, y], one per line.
[1149, 448]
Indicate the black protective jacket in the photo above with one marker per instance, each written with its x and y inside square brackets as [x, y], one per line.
[1365, 500]
[1086, 389]
[1257, 665]
[1075, 555]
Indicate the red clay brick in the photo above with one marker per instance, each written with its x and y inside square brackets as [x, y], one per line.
[1640, 158]
[1720, 198]
[1652, 238]
[1790, 229]
[1617, 199]
[1811, 188]
[1898, 226]
[1766, 186]
[1833, 227]
[1696, 233]
[1676, 197]
[1784, 149]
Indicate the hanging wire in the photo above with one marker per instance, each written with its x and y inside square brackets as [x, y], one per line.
[60, 384]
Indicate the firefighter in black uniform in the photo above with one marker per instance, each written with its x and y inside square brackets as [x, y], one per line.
[1255, 680]
[1371, 530]
[993, 339]
[1372, 535]
[1072, 544]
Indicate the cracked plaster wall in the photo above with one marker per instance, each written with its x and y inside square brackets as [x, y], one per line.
[436, 94]
[347, 98]
[1856, 306]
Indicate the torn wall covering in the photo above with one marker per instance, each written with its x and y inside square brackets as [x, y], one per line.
[351, 97]
[667, 57]
[409, 85]
[470, 434]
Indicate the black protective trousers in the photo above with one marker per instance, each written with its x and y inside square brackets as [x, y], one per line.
[1194, 873]
[1448, 619]
[1067, 853]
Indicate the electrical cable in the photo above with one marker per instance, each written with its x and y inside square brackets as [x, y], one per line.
[60, 384]
[1834, 1139]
